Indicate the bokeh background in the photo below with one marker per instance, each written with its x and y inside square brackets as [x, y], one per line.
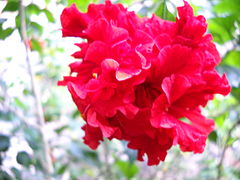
[40, 127]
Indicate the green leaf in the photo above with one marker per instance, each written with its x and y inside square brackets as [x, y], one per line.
[24, 159]
[127, 2]
[6, 116]
[17, 21]
[221, 119]
[186, 120]
[90, 154]
[213, 136]
[236, 173]
[4, 143]
[49, 15]
[17, 173]
[4, 33]
[231, 140]
[82, 5]
[38, 164]
[11, 6]
[227, 7]
[129, 170]
[27, 92]
[222, 28]
[35, 28]
[236, 93]
[1, 160]
[61, 168]
[20, 104]
[4, 175]
[33, 137]
[75, 114]
[232, 58]
[2, 98]
[32, 9]
[35, 45]
[163, 12]
[59, 130]
[47, 1]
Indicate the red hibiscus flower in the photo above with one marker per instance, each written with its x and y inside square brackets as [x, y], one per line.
[143, 80]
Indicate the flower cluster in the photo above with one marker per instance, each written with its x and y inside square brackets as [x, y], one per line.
[143, 80]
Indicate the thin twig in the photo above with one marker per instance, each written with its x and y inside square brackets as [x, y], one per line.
[219, 173]
[48, 167]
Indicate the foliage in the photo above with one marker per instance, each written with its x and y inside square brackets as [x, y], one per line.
[22, 146]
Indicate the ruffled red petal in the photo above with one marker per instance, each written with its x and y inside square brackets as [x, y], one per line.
[143, 80]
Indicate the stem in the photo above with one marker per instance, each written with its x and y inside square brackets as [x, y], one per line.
[108, 172]
[47, 163]
[220, 168]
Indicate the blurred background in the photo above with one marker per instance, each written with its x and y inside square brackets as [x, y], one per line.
[40, 127]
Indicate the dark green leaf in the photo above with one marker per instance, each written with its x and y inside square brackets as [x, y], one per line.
[33, 137]
[1, 159]
[38, 164]
[17, 173]
[11, 6]
[59, 130]
[236, 93]
[24, 158]
[4, 33]
[4, 143]
[26, 92]
[75, 114]
[236, 173]
[213, 136]
[90, 154]
[49, 15]
[61, 169]
[4, 175]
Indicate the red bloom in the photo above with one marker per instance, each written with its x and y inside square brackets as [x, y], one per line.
[139, 78]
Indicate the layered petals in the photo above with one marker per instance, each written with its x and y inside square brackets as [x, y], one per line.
[142, 80]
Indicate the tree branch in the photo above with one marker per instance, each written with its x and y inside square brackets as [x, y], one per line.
[47, 163]
[108, 172]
